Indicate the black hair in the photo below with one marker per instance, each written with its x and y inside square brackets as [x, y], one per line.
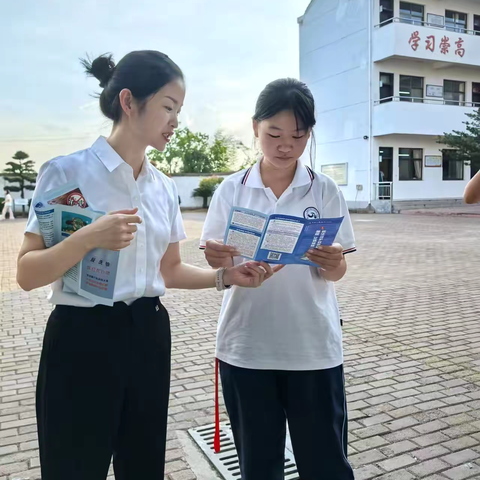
[7, 191]
[143, 72]
[289, 94]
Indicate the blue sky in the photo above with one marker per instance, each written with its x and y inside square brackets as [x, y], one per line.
[228, 50]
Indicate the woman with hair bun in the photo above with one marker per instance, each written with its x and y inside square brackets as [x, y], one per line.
[104, 376]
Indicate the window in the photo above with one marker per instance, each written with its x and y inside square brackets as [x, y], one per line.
[455, 21]
[411, 13]
[454, 92]
[452, 165]
[476, 94]
[410, 161]
[386, 87]
[385, 164]
[411, 89]
[476, 24]
[386, 11]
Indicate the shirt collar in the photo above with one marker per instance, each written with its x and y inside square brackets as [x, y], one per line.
[111, 159]
[303, 176]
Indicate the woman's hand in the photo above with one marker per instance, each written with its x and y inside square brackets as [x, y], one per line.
[113, 231]
[219, 255]
[250, 274]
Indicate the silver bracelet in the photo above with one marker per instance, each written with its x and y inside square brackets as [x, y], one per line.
[219, 281]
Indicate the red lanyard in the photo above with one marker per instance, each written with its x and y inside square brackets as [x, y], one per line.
[216, 438]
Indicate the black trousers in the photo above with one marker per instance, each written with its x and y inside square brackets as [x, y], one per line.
[102, 391]
[259, 402]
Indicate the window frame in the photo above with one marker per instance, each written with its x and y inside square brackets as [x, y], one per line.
[388, 20]
[476, 31]
[390, 98]
[412, 20]
[476, 85]
[410, 159]
[458, 103]
[462, 162]
[412, 99]
[456, 28]
[388, 158]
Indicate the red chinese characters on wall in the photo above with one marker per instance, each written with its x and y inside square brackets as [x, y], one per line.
[460, 51]
[430, 44]
[445, 45]
[414, 40]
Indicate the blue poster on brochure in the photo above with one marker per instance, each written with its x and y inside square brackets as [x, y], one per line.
[277, 238]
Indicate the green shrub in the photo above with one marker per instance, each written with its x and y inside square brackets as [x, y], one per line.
[207, 188]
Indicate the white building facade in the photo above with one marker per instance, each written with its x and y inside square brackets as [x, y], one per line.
[389, 77]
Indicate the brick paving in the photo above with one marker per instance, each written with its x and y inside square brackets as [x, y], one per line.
[11, 234]
[464, 210]
[410, 306]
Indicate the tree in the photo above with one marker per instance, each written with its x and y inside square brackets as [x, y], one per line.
[223, 151]
[190, 152]
[196, 155]
[169, 161]
[466, 143]
[166, 165]
[186, 152]
[20, 171]
[207, 188]
[250, 155]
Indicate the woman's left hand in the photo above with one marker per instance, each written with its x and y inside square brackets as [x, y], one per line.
[250, 274]
[327, 258]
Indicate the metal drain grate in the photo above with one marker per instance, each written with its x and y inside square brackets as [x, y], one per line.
[226, 462]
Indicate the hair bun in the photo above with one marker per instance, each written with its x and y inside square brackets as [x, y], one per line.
[101, 68]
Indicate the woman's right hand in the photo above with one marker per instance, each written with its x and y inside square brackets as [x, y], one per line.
[114, 231]
[219, 255]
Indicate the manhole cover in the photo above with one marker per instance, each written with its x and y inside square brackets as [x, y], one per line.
[226, 462]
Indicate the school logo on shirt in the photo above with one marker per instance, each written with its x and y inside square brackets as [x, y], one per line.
[310, 213]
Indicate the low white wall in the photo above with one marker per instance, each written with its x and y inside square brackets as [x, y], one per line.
[187, 183]
[15, 195]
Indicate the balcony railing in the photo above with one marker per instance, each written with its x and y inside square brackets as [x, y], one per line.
[427, 100]
[412, 21]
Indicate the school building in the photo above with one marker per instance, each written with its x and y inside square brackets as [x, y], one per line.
[389, 77]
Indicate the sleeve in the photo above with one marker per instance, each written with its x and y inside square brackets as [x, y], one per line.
[50, 176]
[218, 214]
[178, 230]
[337, 207]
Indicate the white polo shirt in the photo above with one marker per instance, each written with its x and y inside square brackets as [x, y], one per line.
[108, 184]
[292, 321]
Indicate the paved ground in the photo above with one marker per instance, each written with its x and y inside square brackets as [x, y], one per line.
[411, 310]
[462, 210]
